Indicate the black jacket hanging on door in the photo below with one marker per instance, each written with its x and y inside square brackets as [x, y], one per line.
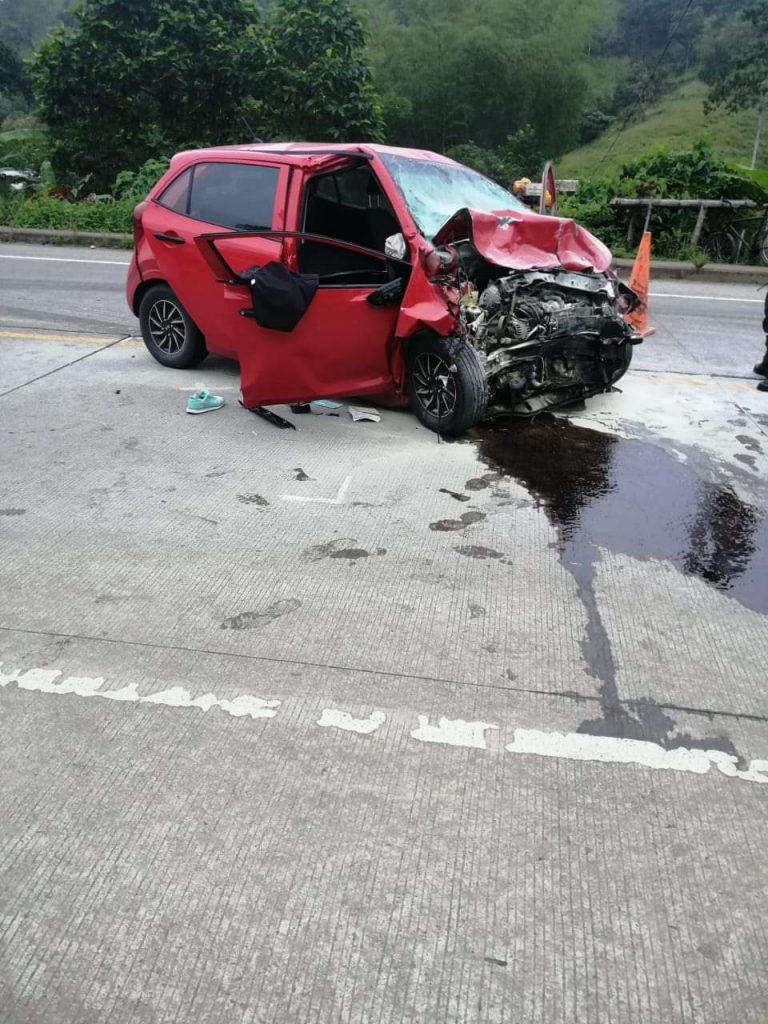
[280, 296]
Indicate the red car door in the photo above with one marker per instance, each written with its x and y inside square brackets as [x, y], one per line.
[341, 345]
[206, 196]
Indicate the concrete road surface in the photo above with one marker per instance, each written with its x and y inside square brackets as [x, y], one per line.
[348, 725]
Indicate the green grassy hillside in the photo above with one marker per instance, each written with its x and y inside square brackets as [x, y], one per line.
[676, 121]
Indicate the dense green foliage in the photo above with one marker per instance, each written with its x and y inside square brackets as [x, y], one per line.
[151, 79]
[737, 67]
[696, 174]
[57, 214]
[317, 82]
[121, 84]
[128, 79]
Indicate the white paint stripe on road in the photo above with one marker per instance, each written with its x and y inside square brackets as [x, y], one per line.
[64, 259]
[448, 732]
[615, 750]
[45, 681]
[701, 298]
[454, 732]
[332, 718]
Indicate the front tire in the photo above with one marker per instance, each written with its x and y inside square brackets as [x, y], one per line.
[168, 331]
[446, 384]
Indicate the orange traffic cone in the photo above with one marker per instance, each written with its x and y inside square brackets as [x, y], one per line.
[639, 281]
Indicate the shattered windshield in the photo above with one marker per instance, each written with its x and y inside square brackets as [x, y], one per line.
[434, 191]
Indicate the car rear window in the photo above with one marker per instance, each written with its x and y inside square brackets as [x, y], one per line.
[239, 196]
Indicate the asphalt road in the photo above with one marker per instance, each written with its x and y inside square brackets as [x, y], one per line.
[346, 725]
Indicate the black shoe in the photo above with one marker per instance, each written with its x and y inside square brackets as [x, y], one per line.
[761, 369]
[763, 385]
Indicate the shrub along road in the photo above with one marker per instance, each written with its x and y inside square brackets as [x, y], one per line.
[348, 725]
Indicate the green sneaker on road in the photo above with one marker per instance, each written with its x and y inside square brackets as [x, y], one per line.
[203, 401]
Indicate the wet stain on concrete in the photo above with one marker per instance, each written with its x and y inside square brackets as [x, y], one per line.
[455, 494]
[482, 483]
[300, 474]
[13, 511]
[602, 491]
[342, 547]
[252, 499]
[747, 460]
[476, 611]
[476, 551]
[750, 443]
[351, 553]
[257, 619]
[450, 525]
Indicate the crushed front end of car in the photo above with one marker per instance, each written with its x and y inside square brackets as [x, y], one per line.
[540, 306]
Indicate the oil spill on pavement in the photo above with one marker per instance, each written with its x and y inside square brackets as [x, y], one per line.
[12, 511]
[602, 491]
[632, 497]
[450, 525]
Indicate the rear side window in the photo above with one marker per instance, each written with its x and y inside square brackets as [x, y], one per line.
[176, 196]
[238, 196]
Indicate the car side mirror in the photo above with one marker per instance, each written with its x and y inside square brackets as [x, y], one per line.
[395, 247]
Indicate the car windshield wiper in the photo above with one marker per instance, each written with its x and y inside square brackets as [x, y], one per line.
[251, 227]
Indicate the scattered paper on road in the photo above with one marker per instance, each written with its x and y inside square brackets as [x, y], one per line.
[358, 412]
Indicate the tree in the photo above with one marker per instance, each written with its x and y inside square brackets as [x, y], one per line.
[13, 75]
[126, 80]
[739, 78]
[319, 79]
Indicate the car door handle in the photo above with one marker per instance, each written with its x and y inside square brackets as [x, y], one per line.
[161, 236]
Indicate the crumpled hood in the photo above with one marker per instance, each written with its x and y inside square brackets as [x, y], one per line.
[521, 240]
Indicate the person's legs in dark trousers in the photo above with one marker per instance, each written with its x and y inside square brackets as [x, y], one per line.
[762, 367]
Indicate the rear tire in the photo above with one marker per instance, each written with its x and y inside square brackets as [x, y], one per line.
[168, 331]
[446, 384]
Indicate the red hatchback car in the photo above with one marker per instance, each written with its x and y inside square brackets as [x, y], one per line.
[340, 270]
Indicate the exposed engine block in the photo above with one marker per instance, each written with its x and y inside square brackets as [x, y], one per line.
[548, 331]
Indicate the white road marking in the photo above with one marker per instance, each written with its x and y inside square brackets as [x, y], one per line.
[338, 500]
[449, 732]
[701, 298]
[335, 719]
[614, 750]
[63, 259]
[44, 680]
[454, 732]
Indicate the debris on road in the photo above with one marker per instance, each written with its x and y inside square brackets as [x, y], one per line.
[270, 417]
[359, 412]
